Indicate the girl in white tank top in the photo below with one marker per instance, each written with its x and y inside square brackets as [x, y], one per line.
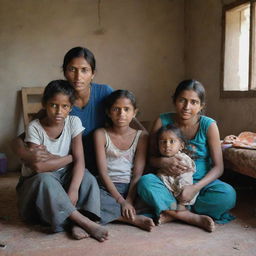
[121, 157]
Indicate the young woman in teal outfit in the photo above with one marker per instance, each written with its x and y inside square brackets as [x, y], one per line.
[215, 198]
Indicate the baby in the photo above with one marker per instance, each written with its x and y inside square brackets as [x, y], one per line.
[171, 143]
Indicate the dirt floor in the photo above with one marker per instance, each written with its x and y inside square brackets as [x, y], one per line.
[235, 238]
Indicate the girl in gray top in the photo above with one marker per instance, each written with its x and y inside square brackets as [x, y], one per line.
[54, 191]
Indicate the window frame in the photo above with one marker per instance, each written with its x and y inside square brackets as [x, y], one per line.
[252, 51]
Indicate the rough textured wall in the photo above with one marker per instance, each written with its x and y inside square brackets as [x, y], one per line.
[203, 21]
[138, 45]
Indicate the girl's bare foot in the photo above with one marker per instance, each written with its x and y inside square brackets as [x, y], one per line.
[143, 222]
[92, 228]
[164, 218]
[96, 231]
[78, 233]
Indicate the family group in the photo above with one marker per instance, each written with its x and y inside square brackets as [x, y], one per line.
[85, 155]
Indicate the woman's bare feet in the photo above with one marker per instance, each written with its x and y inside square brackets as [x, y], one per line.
[78, 233]
[204, 222]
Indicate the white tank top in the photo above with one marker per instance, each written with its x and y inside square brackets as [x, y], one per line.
[120, 162]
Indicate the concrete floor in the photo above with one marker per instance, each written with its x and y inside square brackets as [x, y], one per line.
[235, 238]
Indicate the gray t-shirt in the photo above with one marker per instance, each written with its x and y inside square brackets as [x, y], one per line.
[61, 146]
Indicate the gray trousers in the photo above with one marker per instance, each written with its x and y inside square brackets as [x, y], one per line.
[43, 198]
[110, 209]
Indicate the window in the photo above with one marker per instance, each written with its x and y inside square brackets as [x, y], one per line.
[239, 56]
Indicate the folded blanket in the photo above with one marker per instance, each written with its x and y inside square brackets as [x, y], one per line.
[243, 140]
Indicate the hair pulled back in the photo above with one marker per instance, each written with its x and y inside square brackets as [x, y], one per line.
[77, 52]
[187, 85]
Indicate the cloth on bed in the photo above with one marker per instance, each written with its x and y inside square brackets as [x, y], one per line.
[243, 140]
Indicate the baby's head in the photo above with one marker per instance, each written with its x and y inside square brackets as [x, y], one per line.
[170, 140]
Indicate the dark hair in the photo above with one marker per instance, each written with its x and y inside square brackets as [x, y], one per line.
[172, 128]
[190, 85]
[114, 96]
[79, 52]
[180, 136]
[56, 87]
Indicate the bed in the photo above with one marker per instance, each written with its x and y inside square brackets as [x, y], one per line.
[240, 160]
